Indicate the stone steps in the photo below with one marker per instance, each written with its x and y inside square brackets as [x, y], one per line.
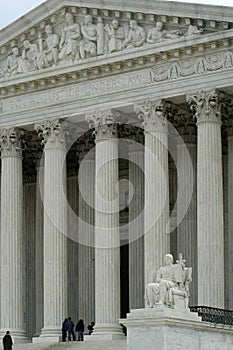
[85, 345]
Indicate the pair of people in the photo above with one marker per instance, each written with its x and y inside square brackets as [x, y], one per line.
[68, 330]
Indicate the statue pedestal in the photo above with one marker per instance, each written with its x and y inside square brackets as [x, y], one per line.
[174, 329]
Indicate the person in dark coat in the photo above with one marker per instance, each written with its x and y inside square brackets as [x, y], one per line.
[7, 341]
[64, 329]
[70, 329]
[80, 330]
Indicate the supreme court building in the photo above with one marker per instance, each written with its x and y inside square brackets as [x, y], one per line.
[116, 142]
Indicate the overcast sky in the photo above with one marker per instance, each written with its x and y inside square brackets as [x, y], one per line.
[13, 9]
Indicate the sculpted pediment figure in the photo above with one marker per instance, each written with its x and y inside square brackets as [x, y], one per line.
[73, 34]
[171, 287]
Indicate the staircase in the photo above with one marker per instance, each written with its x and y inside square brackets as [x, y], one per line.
[85, 345]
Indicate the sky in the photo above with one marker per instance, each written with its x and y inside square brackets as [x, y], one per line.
[13, 9]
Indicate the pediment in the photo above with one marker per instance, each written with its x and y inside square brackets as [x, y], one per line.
[60, 36]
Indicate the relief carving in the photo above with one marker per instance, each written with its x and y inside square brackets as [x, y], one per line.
[76, 39]
[70, 39]
[199, 66]
[115, 36]
[158, 34]
[48, 48]
[28, 61]
[136, 36]
[89, 41]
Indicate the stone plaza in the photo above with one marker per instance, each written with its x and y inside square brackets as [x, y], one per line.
[116, 136]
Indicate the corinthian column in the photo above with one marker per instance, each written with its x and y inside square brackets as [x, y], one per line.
[55, 228]
[107, 238]
[12, 266]
[156, 239]
[210, 235]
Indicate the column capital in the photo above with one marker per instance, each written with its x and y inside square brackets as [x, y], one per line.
[152, 114]
[11, 142]
[103, 123]
[206, 106]
[52, 133]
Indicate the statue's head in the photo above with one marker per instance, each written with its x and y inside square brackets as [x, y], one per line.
[159, 26]
[132, 24]
[168, 259]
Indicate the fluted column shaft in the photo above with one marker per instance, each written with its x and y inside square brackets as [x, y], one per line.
[55, 228]
[187, 225]
[229, 260]
[107, 236]
[86, 256]
[136, 225]
[210, 235]
[12, 267]
[156, 239]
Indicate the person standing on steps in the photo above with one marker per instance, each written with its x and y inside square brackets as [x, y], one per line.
[7, 341]
[70, 329]
[64, 330]
[80, 330]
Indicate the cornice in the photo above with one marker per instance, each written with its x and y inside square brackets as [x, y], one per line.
[168, 8]
[124, 61]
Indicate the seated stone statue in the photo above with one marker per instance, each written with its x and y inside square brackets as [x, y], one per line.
[172, 285]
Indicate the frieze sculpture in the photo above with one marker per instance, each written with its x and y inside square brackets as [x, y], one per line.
[48, 48]
[70, 40]
[115, 36]
[199, 65]
[171, 287]
[78, 40]
[136, 36]
[158, 34]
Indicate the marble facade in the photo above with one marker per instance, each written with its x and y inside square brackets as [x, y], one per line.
[116, 148]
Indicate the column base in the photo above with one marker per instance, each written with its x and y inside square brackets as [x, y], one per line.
[106, 332]
[49, 335]
[18, 335]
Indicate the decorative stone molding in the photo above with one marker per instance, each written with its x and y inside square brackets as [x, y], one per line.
[152, 114]
[205, 105]
[103, 123]
[11, 142]
[193, 66]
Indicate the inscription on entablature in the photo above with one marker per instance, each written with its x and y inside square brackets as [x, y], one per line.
[77, 91]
